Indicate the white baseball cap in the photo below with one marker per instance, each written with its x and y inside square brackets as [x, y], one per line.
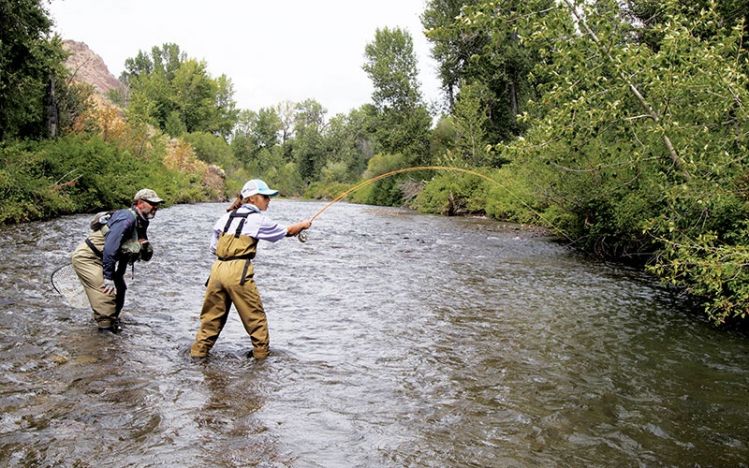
[257, 186]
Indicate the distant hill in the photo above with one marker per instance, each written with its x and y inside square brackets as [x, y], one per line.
[88, 67]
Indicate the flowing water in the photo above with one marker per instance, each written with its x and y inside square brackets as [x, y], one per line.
[397, 339]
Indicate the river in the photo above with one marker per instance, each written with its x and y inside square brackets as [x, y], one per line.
[397, 339]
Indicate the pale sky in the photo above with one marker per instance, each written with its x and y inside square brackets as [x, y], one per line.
[272, 50]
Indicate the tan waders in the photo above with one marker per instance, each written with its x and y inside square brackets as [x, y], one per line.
[88, 266]
[231, 282]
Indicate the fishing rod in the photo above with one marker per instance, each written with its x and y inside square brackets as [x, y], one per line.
[303, 236]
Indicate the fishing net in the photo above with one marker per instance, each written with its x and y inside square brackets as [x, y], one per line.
[67, 285]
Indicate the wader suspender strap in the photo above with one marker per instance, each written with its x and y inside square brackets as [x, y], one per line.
[93, 248]
[237, 233]
[99, 253]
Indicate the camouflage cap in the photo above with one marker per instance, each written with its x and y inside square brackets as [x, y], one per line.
[147, 195]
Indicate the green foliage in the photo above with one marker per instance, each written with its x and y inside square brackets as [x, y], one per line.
[481, 43]
[470, 119]
[80, 173]
[650, 15]
[325, 190]
[387, 191]
[450, 48]
[308, 148]
[32, 75]
[402, 121]
[443, 137]
[452, 194]
[348, 145]
[212, 149]
[288, 180]
[404, 132]
[600, 153]
[178, 94]
[391, 65]
[267, 128]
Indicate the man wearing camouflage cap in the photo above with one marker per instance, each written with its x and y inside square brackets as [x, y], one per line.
[117, 239]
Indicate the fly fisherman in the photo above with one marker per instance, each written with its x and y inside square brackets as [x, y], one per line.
[234, 242]
[116, 240]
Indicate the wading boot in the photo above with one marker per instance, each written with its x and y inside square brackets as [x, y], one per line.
[198, 351]
[109, 326]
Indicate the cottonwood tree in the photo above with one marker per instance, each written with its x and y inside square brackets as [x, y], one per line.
[403, 119]
[185, 97]
[480, 42]
[640, 152]
[36, 95]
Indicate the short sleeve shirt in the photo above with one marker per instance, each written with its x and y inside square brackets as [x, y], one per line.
[257, 225]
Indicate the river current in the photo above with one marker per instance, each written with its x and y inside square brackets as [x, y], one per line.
[397, 339]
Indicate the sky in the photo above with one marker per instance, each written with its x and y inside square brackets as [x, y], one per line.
[273, 51]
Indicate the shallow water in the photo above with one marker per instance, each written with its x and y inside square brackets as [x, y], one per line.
[397, 339]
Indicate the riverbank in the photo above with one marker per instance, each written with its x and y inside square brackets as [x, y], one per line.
[41, 180]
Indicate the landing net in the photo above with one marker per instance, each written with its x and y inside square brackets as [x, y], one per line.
[69, 287]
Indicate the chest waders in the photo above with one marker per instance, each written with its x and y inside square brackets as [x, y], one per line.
[87, 263]
[234, 252]
[235, 246]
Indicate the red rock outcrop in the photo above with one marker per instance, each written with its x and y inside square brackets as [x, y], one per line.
[88, 67]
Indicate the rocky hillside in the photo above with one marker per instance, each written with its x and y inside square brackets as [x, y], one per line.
[88, 67]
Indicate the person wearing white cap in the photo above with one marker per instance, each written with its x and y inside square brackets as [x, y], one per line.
[117, 239]
[234, 242]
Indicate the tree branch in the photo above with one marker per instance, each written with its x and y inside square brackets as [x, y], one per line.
[643, 102]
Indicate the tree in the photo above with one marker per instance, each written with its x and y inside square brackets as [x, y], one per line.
[392, 67]
[483, 42]
[226, 108]
[451, 48]
[470, 121]
[307, 147]
[184, 97]
[639, 152]
[32, 74]
[285, 111]
[403, 119]
[645, 16]
[267, 128]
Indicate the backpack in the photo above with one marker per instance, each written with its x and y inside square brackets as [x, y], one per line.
[100, 220]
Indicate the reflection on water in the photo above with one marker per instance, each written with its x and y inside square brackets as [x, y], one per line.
[397, 339]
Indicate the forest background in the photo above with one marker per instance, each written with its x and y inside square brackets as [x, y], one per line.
[621, 126]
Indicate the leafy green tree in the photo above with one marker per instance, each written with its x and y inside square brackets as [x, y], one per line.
[443, 137]
[32, 74]
[481, 42]
[285, 111]
[348, 144]
[255, 140]
[308, 152]
[184, 97]
[307, 146]
[226, 111]
[243, 143]
[174, 126]
[268, 126]
[403, 120]
[212, 149]
[391, 65]
[646, 16]
[638, 152]
[470, 122]
[451, 48]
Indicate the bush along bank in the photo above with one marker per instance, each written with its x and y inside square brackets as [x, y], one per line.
[83, 173]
